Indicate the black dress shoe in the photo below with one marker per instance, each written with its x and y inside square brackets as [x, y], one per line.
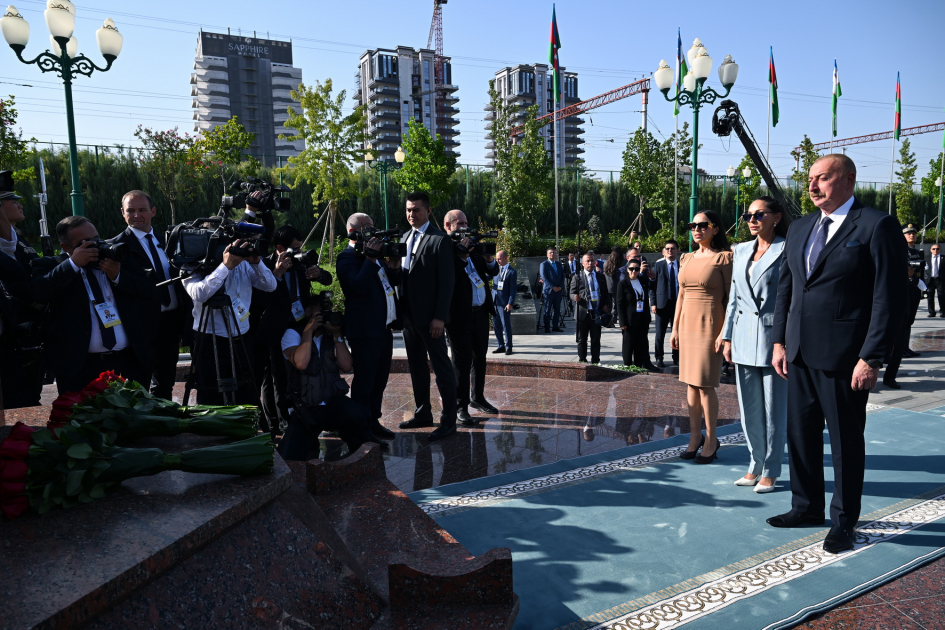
[660, 364]
[795, 519]
[909, 353]
[838, 539]
[508, 351]
[652, 368]
[441, 432]
[692, 454]
[499, 350]
[556, 330]
[708, 459]
[483, 406]
[582, 360]
[416, 423]
[891, 383]
[382, 432]
[464, 418]
[931, 315]
[547, 330]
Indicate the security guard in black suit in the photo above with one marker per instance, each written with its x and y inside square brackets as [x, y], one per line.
[917, 262]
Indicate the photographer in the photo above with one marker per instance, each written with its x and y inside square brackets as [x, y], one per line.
[271, 313]
[99, 310]
[234, 278]
[315, 355]
[468, 329]
[368, 282]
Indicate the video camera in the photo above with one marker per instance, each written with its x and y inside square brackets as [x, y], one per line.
[329, 315]
[252, 184]
[475, 237]
[108, 251]
[305, 259]
[198, 246]
[389, 249]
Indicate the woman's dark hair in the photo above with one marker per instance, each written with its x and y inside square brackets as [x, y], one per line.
[772, 205]
[613, 261]
[719, 241]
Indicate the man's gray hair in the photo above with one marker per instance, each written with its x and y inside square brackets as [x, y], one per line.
[356, 219]
[848, 165]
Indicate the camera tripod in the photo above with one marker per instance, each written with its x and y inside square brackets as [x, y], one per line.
[219, 302]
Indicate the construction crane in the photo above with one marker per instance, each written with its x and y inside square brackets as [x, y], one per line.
[439, 70]
[873, 137]
[637, 87]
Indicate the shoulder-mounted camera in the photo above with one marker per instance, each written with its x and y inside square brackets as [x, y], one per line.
[476, 246]
[198, 246]
[270, 201]
[389, 247]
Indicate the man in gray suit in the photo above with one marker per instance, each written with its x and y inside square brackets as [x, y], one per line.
[503, 297]
[425, 293]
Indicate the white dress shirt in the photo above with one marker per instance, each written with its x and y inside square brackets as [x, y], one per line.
[239, 283]
[935, 266]
[95, 340]
[143, 239]
[9, 247]
[836, 220]
[590, 277]
[413, 241]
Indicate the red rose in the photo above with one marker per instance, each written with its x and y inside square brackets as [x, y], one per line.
[21, 433]
[99, 385]
[13, 470]
[14, 449]
[10, 489]
[15, 506]
[62, 408]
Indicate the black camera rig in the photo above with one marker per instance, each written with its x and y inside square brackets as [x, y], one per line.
[108, 251]
[476, 246]
[270, 201]
[197, 247]
[329, 314]
[389, 248]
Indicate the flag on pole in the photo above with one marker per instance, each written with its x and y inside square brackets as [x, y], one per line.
[553, 46]
[681, 70]
[837, 93]
[898, 128]
[773, 89]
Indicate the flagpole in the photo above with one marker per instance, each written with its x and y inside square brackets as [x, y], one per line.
[892, 170]
[676, 176]
[557, 235]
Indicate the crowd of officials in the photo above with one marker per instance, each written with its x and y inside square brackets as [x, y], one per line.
[807, 316]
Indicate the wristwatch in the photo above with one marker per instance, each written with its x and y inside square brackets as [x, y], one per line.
[875, 364]
[340, 339]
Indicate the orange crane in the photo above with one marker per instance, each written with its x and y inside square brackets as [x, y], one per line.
[439, 70]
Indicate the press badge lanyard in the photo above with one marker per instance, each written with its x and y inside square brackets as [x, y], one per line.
[105, 309]
[242, 313]
[388, 292]
[639, 297]
[502, 276]
[592, 287]
[298, 311]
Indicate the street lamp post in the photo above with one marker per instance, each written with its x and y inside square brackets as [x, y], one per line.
[580, 213]
[695, 95]
[738, 178]
[384, 167]
[63, 60]
[941, 199]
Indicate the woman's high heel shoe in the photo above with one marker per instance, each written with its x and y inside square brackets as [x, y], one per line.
[708, 460]
[692, 454]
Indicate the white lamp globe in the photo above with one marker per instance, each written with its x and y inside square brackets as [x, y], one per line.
[730, 171]
[746, 172]
[728, 72]
[938, 181]
[702, 65]
[65, 4]
[695, 50]
[399, 155]
[59, 21]
[663, 77]
[689, 82]
[109, 39]
[72, 47]
[16, 30]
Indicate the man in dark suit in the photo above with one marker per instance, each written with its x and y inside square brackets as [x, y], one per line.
[468, 328]
[102, 313]
[426, 290]
[571, 267]
[552, 289]
[368, 282]
[174, 326]
[503, 296]
[663, 292]
[841, 299]
[589, 293]
[934, 281]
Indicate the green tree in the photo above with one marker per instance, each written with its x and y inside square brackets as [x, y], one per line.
[222, 149]
[935, 171]
[644, 166]
[14, 149]
[523, 175]
[748, 189]
[428, 166]
[806, 156]
[905, 187]
[169, 163]
[671, 184]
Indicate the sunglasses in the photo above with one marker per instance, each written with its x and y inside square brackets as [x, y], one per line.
[702, 225]
[633, 269]
[748, 217]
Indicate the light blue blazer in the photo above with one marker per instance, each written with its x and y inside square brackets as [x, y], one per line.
[750, 313]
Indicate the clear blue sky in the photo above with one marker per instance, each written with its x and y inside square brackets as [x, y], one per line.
[609, 43]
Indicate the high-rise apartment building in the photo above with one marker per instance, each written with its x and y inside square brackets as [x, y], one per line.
[527, 85]
[249, 78]
[397, 86]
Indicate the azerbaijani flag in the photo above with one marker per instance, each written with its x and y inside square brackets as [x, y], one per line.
[837, 92]
[898, 128]
[553, 45]
[773, 89]
[681, 70]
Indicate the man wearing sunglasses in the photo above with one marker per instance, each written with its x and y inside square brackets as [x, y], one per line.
[663, 291]
[841, 298]
[934, 281]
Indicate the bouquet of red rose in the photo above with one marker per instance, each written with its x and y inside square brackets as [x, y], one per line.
[125, 410]
[75, 463]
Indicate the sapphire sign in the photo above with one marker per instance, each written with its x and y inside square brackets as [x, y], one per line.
[217, 45]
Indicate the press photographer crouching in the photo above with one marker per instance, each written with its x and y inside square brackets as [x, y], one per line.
[315, 355]
[368, 271]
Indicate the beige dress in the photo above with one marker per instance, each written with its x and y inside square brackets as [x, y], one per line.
[704, 283]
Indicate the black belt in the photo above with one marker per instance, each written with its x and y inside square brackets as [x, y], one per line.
[105, 354]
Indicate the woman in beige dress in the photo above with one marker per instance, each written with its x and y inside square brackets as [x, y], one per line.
[705, 277]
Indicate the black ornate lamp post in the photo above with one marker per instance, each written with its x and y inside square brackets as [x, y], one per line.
[383, 167]
[63, 60]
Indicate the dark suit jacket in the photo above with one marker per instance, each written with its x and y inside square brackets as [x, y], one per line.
[659, 286]
[461, 305]
[854, 301]
[70, 320]
[550, 277]
[365, 301]
[627, 304]
[270, 312]
[579, 288]
[144, 261]
[509, 289]
[428, 285]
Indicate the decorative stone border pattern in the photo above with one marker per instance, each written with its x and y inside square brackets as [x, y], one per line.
[490, 496]
[874, 407]
[712, 596]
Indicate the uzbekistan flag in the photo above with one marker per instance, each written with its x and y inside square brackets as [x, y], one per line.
[898, 128]
[681, 70]
[553, 47]
[836, 94]
[773, 89]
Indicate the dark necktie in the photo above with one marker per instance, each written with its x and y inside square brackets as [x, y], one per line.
[108, 334]
[672, 281]
[820, 241]
[159, 272]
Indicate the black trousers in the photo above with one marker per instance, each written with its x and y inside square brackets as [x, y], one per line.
[469, 344]
[123, 362]
[205, 368]
[586, 327]
[816, 396]
[905, 331]
[371, 360]
[166, 353]
[419, 345]
[635, 351]
[936, 286]
[664, 317]
[340, 413]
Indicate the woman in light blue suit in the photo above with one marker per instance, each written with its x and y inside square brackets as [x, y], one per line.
[762, 394]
